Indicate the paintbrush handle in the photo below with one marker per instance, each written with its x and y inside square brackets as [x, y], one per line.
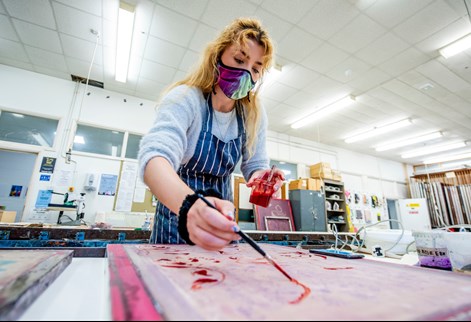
[244, 236]
[270, 176]
[252, 243]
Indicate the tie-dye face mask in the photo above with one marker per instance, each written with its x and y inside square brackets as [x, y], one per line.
[236, 83]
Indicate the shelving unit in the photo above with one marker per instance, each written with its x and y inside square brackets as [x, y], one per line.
[335, 205]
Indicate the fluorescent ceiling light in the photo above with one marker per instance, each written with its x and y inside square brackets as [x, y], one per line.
[79, 139]
[323, 111]
[456, 47]
[456, 164]
[124, 40]
[39, 138]
[409, 141]
[446, 158]
[433, 149]
[378, 131]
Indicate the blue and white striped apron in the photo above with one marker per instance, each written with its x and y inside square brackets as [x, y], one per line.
[210, 167]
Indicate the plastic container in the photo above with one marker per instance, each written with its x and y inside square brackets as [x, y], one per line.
[432, 249]
[262, 191]
[387, 239]
[459, 250]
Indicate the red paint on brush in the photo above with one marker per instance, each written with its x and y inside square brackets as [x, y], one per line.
[278, 267]
[305, 293]
[199, 282]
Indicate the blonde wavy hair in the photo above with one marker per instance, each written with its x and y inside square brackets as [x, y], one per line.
[205, 76]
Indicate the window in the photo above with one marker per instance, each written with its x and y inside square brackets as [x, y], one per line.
[27, 129]
[100, 141]
[290, 169]
[132, 147]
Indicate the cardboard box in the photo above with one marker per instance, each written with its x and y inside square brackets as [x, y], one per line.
[305, 184]
[321, 170]
[7, 216]
[336, 175]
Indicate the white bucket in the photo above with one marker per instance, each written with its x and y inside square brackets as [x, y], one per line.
[459, 250]
[432, 249]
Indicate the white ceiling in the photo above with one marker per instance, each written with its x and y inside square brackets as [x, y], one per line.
[383, 52]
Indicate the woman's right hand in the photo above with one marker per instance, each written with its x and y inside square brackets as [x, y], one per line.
[209, 228]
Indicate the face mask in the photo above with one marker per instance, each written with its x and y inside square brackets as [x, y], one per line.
[236, 83]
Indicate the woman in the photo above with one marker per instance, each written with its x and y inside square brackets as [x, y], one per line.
[205, 124]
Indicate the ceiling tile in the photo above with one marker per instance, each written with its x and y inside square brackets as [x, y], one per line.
[382, 49]
[6, 29]
[13, 50]
[164, 52]
[219, 13]
[443, 76]
[77, 23]
[81, 49]
[357, 34]
[403, 62]
[297, 76]
[38, 36]
[391, 13]
[328, 17]
[277, 27]
[202, 36]
[171, 26]
[297, 45]
[90, 6]
[292, 13]
[426, 22]
[324, 58]
[348, 70]
[193, 9]
[370, 79]
[37, 11]
[278, 92]
[157, 72]
[47, 59]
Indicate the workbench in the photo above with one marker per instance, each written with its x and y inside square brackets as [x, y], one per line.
[424, 293]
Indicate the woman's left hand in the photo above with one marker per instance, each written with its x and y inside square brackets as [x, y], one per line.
[278, 177]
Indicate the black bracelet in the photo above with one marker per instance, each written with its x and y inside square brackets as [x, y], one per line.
[185, 207]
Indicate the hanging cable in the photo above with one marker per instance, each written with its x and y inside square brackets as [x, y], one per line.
[89, 71]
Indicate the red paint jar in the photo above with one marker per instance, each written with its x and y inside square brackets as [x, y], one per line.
[262, 192]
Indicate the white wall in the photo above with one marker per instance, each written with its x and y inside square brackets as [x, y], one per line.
[37, 94]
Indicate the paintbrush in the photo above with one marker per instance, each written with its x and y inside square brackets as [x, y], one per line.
[251, 242]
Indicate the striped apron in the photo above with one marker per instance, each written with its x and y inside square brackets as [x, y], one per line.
[210, 167]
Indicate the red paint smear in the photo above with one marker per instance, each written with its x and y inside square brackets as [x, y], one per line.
[203, 272]
[221, 252]
[194, 260]
[322, 256]
[337, 268]
[234, 258]
[217, 261]
[128, 303]
[163, 259]
[305, 294]
[176, 253]
[178, 265]
[197, 284]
